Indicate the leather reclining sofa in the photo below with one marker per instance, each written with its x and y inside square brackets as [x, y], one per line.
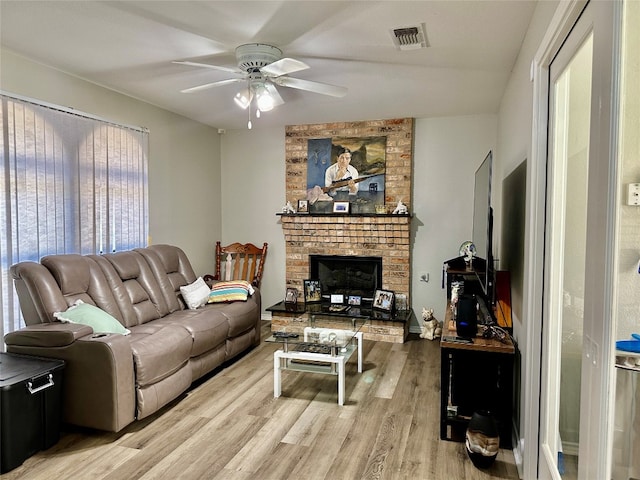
[112, 379]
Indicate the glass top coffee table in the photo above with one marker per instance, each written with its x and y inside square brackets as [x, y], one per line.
[323, 347]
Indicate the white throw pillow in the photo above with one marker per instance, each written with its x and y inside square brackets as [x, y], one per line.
[195, 294]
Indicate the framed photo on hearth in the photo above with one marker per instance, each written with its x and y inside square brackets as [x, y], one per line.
[402, 303]
[354, 300]
[291, 296]
[383, 300]
[312, 291]
[337, 298]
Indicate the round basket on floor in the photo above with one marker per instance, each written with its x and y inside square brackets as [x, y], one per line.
[482, 439]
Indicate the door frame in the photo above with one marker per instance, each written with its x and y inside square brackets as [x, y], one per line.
[598, 341]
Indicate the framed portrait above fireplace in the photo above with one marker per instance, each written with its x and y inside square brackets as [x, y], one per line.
[312, 291]
[383, 300]
[349, 169]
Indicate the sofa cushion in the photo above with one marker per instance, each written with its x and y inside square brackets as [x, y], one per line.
[240, 315]
[195, 294]
[208, 327]
[158, 351]
[172, 269]
[92, 316]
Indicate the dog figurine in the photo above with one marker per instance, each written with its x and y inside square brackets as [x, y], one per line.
[430, 328]
[401, 208]
[288, 208]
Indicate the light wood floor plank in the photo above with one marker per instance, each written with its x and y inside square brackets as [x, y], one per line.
[391, 375]
[229, 427]
[326, 447]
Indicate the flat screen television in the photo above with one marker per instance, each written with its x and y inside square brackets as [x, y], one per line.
[482, 234]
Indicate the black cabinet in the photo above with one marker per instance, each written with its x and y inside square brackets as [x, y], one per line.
[473, 378]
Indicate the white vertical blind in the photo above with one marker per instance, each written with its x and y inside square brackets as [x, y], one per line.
[70, 184]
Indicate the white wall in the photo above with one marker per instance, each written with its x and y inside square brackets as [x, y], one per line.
[515, 119]
[253, 191]
[447, 152]
[184, 156]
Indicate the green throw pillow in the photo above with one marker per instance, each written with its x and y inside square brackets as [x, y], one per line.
[90, 315]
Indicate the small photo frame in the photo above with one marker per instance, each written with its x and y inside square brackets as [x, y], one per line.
[291, 297]
[337, 298]
[401, 302]
[312, 291]
[340, 207]
[383, 300]
[354, 300]
[303, 206]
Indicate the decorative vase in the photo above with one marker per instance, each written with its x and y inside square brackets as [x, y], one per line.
[482, 439]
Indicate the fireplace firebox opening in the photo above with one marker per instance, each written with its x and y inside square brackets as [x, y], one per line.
[346, 275]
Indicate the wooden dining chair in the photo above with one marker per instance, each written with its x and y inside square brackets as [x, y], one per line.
[239, 261]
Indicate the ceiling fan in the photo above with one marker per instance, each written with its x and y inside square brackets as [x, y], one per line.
[262, 67]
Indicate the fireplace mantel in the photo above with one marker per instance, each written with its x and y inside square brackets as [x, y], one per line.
[334, 215]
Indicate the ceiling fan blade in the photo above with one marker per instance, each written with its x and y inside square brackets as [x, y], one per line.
[211, 85]
[213, 67]
[273, 91]
[316, 87]
[284, 66]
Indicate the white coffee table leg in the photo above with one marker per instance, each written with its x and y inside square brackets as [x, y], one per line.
[341, 381]
[359, 337]
[277, 380]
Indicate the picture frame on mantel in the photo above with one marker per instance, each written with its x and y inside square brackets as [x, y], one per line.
[340, 207]
[303, 206]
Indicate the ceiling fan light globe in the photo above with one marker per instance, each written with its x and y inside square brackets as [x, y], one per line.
[242, 99]
[265, 102]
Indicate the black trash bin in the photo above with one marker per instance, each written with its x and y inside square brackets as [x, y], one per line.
[30, 407]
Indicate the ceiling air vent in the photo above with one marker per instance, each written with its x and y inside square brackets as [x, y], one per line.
[409, 38]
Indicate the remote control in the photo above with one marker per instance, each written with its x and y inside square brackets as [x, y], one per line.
[457, 339]
[285, 335]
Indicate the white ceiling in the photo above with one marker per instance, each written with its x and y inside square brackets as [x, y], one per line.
[128, 46]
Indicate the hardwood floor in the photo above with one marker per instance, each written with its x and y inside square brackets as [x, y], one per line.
[229, 426]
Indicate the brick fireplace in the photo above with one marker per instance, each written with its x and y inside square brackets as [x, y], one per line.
[385, 236]
[380, 235]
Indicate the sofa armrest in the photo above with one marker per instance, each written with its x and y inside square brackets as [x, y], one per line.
[54, 334]
[98, 379]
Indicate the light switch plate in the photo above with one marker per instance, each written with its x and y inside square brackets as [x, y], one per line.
[633, 194]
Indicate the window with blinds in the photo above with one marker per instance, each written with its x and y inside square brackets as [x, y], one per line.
[71, 183]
